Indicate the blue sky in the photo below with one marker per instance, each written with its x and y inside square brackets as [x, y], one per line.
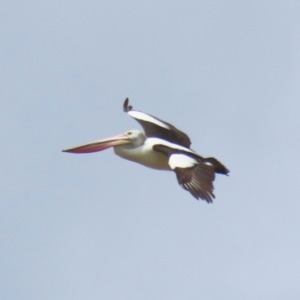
[99, 227]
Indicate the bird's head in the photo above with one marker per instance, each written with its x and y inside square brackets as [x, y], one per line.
[136, 138]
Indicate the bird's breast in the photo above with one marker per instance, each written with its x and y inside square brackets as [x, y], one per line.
[144, 155]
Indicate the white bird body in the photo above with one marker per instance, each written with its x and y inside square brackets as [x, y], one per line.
[162, 147]
[144, 155]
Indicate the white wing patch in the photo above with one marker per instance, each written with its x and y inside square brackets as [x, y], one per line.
[144, 117]
[181, 161]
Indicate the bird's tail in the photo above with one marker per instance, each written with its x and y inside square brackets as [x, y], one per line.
[218, 167]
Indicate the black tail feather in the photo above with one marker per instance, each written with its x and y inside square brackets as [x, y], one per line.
[218, 167]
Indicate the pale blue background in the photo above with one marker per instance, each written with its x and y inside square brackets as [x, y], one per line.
[98, 227]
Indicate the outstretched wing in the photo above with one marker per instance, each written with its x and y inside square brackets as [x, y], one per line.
[155, 127]
[193, 174]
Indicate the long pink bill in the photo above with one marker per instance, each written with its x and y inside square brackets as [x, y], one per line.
[100, 145]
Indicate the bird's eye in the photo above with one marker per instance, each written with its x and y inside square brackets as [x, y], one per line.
[129, 133]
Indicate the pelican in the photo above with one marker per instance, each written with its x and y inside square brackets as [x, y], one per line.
[163, 147]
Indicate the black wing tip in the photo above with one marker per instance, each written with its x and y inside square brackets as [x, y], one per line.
[208, 197]
[200, 195]
[126, 106]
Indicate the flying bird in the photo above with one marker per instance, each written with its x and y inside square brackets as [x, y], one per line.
[163, 147]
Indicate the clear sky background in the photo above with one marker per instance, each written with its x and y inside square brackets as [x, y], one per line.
[99, 227]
